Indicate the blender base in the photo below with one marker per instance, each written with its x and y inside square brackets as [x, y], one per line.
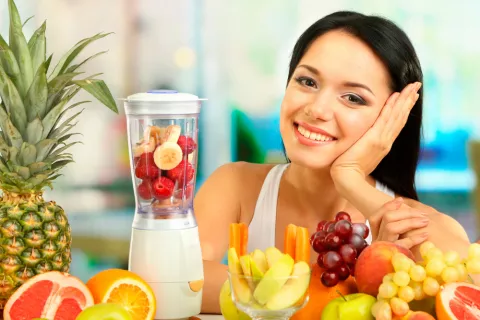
[182, 302]
[170, 261]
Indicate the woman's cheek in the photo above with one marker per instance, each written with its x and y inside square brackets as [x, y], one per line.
[355, 123]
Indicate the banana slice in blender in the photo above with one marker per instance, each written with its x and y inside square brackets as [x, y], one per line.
[154, 132]
[144, 147]
[172, 133]
[168, 155]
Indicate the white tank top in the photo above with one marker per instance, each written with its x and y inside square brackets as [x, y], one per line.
[261, 232]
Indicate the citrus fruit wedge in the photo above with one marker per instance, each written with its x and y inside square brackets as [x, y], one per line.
[458, 300]
[51, 295]
[126, 289]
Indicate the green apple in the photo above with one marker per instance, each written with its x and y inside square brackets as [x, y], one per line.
[242, 290]
[353, 306]
[227, 306]
[293, 290]
[274, 279]
[104, 311]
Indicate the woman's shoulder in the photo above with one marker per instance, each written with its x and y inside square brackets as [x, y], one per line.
[239, 182]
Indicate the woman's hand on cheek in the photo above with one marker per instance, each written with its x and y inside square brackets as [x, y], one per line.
[397, 222]
[364, 156]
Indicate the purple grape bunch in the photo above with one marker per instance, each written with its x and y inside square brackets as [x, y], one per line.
[338, 244]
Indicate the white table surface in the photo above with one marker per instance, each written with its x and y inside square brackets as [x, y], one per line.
[210, 317]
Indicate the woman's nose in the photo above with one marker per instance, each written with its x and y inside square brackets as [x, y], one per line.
[321, 108]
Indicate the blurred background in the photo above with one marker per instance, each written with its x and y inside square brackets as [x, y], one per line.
[236, 53]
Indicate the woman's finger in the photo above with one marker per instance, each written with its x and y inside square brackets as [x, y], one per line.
[401, 110]
[395, 229]
[380, 124]
[413, 240]
[395, 211]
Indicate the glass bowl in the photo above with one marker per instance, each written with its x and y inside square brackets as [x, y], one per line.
[271, 296]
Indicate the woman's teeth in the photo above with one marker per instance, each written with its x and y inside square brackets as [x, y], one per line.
[313, 135]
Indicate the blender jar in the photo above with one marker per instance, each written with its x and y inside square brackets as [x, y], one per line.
[163, 143]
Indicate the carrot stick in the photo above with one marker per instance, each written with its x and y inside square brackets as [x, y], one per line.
[234, 241]
[239, 238]
[243, 239]
[290, 239]
[302, 245]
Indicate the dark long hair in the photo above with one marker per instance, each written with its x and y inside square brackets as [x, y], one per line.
[393, 47]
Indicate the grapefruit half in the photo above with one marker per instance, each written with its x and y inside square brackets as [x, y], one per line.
[458, 301]
[52, 295]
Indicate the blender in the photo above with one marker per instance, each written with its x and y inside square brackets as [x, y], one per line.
[165, 246]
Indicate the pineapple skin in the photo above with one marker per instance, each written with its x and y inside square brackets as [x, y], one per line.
[36, 238]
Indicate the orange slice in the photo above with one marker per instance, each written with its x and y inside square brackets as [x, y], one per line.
[125, 288]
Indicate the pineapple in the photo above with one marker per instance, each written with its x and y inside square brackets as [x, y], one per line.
[35, 234]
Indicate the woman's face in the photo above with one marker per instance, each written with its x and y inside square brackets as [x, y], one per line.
[334, 96]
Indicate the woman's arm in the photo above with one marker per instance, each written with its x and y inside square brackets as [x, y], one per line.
[217, 205]
[445, 232]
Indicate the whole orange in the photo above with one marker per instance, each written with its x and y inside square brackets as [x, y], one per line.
[320, 296]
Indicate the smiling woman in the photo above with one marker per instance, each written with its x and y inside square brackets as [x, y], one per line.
[350, 121]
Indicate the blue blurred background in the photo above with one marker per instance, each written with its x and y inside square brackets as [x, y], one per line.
[236, 54]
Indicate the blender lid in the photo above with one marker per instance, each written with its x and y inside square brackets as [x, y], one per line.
[162, 102]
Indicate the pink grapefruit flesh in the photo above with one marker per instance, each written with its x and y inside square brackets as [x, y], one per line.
[458, 301]
[53, 295]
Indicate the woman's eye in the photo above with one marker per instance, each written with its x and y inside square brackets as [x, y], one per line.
[351, 98]
[306, 82]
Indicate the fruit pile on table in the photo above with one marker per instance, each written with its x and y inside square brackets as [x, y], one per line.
[163, 161]
[351, 279]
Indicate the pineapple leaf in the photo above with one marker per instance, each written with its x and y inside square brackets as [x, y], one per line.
[59, 151]
[36, 99]
[76, 66]
[24, 172]
[3, 148]
[67, 136]
[64, 129]
[99, 90]
[55, 177]
[47, 63]
[63, 156]
[52, 117]
[66, 110]
[58, 132]
[38, 167]
[34, 131]
[37, 47]
[28, 154]
[13, 156]
[10, 65]
[3, 167]
[13, 135]
[3, 118]
[65, 61]
[19, 47]
[13, 102]
[37, 179]
[14, 177]
[55, 88]
[44, 147]
[26, 21]
[57, 165]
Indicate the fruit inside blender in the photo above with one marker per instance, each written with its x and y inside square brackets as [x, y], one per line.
[164, 165]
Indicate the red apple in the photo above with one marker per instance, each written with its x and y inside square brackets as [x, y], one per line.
[374, 263]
